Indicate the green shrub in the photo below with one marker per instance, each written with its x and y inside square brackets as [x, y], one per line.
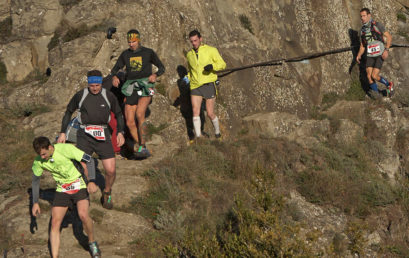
[152, 129]
[355, 91]
[161, 88]
[329, 99]
[355, 232]
[5, 29]
[253, 229]
[55, 40]
[245, 23]
[401, 17]
[403, 34]
[83, 30]
[14, 164]
[67, 4]
[74, 33]
[3, 73]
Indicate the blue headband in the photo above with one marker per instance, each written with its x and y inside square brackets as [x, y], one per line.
[94, 79]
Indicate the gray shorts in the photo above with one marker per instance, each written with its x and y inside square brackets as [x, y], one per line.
[375, 62]
[207, 91]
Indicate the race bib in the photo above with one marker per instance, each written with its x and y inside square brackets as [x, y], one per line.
[374, 49]
[71, 188]
[151, 91]
[96, 131]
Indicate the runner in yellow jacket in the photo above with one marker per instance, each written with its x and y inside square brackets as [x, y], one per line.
[203, 62]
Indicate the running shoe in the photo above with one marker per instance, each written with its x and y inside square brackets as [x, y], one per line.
[142, 153]
[107, 200]
[94, 249]
[391, 89]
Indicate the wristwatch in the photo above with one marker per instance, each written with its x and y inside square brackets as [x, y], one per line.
[387, 49]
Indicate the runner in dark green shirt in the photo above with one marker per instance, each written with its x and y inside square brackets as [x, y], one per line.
[138, 61]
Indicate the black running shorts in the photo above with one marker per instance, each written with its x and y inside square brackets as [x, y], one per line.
[89, 145]
[207, 91]
[375, 62]
[67, 200]
[133, 99]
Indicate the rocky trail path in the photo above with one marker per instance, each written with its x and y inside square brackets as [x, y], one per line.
[114, 229]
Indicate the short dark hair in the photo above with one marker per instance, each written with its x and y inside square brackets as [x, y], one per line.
[41, 142]
[194, 33]
[365, 10]
[94, 73]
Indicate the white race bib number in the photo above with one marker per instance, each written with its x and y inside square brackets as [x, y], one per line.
[71, 188]
[374, 49]
[96, 131]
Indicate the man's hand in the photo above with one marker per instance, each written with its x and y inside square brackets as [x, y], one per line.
[152, 78]
[36, 209]
[385, 54]
[208, 67]
[62, 138]
[186, 80]
[120, 140]
[92, 187]
[115, 81]
[358, 59]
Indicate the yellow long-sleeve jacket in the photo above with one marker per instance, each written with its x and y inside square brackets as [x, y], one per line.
[198, 60]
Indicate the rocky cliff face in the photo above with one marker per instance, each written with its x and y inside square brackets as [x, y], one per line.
[245, 32]
[69, 37]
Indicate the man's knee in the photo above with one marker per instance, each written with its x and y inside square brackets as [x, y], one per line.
[109, 167]
[140, 117]
[55, 223]
[83, 215]
[211, 115]
[130, 123]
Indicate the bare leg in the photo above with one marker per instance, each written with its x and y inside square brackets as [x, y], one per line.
[143, 104]
[57, 215]
[375, 74]
[196, 104]
[130, 111]
[369, 74]
[210, 108]
[82, 207]
[109, 166]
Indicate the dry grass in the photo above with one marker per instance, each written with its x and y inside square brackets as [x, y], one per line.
[195, 193]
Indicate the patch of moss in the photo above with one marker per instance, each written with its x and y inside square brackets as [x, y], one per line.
[5, 28]
[3, 73]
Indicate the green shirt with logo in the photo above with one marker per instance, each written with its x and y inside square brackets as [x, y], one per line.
[60, 165]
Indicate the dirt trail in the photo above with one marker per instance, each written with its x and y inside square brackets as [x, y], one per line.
[114, 229]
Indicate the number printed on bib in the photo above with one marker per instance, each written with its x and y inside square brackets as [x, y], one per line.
[374, 49]
[96, 131]
[71, 188]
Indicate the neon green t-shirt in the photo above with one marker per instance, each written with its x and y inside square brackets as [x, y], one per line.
[60, 165]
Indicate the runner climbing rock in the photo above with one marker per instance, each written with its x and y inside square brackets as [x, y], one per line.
[373, 40]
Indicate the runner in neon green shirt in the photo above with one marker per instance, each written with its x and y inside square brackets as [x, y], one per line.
[71, 187]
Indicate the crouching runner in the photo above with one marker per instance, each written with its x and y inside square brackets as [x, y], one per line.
[71, 187]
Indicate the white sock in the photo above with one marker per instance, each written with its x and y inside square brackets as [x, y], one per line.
[196, 125]
[216, 125]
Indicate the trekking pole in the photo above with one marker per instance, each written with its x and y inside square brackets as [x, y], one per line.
[280, 61]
